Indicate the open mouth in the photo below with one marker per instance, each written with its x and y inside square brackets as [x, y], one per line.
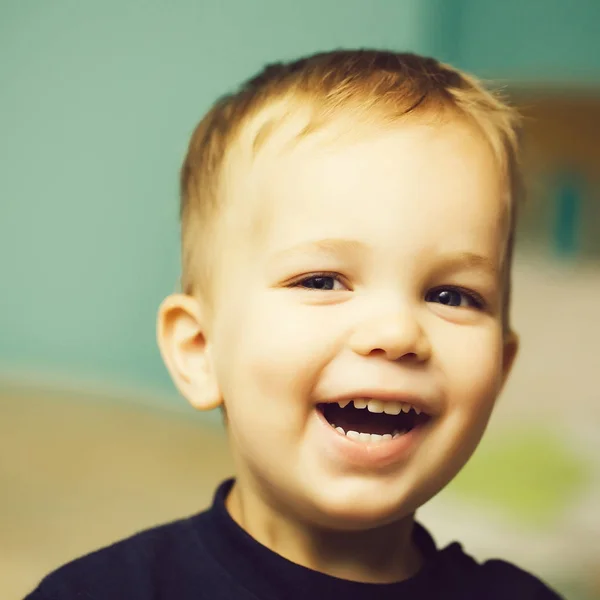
[372, 421]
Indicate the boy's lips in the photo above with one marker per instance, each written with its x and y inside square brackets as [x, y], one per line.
[373, 428]
[360, 454]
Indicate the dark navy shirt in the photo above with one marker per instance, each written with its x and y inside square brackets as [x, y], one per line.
[208, 556]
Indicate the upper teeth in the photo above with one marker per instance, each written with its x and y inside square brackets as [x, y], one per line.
[390, 407]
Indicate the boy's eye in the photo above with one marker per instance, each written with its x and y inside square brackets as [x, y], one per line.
[451, 296]
[321, 282]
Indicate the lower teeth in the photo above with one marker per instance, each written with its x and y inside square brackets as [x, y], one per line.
[370, 438]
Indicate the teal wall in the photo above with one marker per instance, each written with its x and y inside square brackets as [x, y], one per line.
[97, 103]
[542, 41]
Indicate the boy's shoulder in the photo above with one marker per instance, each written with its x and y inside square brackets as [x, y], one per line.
[493, 579]
[163, 557]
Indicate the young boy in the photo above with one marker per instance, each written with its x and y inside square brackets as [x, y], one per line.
[347, 232]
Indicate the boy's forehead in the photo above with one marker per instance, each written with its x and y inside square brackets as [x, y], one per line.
[286, 186]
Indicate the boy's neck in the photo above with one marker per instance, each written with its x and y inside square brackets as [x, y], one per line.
[383, 555]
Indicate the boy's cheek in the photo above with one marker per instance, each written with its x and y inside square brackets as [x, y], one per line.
[272, 327]
[469, 347]
[270, 352]
[470, 375]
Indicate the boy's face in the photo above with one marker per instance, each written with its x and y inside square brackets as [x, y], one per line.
[377, 274]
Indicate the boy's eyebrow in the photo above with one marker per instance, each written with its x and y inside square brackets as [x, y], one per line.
[467, 260]
[333, 246]
[324, 246]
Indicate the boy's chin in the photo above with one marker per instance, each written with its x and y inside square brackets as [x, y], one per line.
[350, 515]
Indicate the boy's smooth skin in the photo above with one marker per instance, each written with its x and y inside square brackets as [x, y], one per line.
[393, 225]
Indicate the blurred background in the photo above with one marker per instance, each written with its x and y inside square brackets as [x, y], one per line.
[97, 102]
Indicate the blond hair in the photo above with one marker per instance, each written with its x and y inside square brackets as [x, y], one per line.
[372, 86]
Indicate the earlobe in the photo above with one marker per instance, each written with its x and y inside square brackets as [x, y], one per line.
[510, 350]
[182, 339]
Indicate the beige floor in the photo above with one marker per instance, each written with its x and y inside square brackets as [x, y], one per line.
[78, 474]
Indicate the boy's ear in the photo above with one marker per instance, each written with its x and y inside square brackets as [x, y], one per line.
[181, 335]
[509, 353]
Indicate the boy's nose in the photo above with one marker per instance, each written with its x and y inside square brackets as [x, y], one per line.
[398, 335]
